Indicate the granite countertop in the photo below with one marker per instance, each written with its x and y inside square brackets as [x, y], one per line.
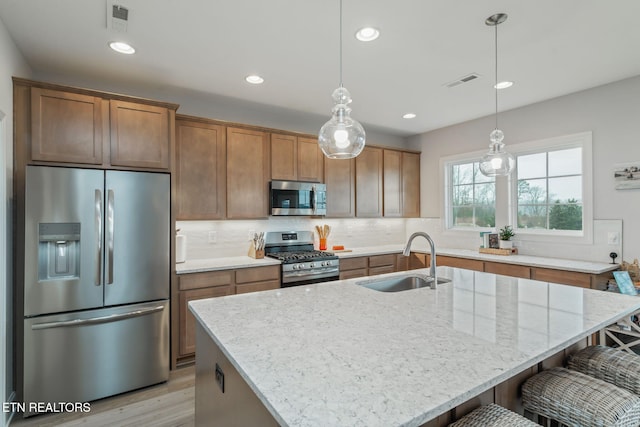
[340, 354]
[225, 263]
[212, 264]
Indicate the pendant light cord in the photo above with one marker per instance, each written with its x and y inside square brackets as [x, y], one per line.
[496, 71]
[340, 43]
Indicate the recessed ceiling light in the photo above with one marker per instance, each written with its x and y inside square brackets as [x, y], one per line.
[367, 34]
[122, 47]
[409, 116]
[503, 85]
[254, 79]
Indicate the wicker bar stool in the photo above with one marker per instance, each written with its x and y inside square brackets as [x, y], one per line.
[578, 400]
[609, 364]
[493, 415]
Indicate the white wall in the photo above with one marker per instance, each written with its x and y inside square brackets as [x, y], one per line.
[12, 64]
[611, 112]
[224, 108]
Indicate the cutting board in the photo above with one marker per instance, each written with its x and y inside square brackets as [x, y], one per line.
[340, 250]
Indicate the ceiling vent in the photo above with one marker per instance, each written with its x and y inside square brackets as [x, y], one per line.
[117, 17]
[461, 80]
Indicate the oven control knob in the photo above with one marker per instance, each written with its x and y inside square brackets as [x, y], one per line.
[295, 266]
[327, 263]
[311, 265]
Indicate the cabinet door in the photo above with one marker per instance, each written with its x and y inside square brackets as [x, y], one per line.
[284, 157]
[469, 264]
[248, 171]
[392, 197]
[507, 269]
[410, 185]
[340, 181]
[66, 127]
[369, 183]
[187, 321]
[563, 277]
[139, 135]
[310, 160]
[201, 170]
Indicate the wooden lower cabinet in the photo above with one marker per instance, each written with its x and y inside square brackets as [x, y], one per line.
[469, 264]
[369, 266]
[187, 321]
[212, 284]
[381, 264]
[417, 260]
[573, 278]
[514, 270]
[353, 267]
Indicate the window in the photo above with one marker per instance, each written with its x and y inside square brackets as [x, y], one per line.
[472, 197]
[548, 197]
[549, 190]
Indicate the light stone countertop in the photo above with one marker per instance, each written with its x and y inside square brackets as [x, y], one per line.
[212, 264]
[225, 263]
[340, 354]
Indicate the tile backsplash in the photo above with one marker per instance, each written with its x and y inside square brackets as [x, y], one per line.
[216, 239]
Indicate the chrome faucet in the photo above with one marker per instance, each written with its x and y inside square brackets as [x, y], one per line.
[432, 268]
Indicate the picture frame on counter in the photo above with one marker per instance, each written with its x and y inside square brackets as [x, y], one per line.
[494, 241]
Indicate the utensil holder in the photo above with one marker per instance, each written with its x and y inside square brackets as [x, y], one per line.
[253, 253]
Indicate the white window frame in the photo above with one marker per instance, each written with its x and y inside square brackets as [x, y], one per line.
[445, 171]
[582, 140]
[507, 192]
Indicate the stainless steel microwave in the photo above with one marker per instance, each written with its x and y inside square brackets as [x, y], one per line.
[297, 198]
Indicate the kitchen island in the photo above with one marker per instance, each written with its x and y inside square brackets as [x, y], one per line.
[340, 354]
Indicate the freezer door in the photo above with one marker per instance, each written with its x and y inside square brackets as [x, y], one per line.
[79, 357]
[136, 237]
[63, 235]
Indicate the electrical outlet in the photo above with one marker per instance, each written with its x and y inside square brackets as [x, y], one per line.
[613, 238]
[213, 237]
[220, 377]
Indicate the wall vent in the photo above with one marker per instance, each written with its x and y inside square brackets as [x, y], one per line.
[461, 80]
[117, 17]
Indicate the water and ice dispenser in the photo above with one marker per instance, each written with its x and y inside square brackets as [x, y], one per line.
[58, 251]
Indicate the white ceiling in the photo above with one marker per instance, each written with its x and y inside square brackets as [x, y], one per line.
[548, 47]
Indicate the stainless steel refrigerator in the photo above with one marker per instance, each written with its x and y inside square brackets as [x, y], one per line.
[96, 283]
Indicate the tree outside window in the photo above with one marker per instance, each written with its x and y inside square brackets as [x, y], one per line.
[472, 196]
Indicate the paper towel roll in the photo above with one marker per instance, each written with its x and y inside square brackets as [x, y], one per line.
[181, 248]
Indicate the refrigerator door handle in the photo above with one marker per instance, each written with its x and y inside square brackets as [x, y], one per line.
[97, 320]
[98, 229]
[110, 234]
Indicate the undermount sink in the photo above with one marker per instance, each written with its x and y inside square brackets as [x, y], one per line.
[401, 283]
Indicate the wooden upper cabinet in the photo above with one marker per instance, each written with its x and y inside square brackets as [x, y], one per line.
[392, 183]
[284, 157]
[410, 185]
[296, 158]
[248, 172]
[310, 160]
[139, 135]
[369, 189]
[67, 127]
[340, 181]
[201, 170]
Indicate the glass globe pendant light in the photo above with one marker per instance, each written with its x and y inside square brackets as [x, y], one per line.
[341, 137]
[497, 162]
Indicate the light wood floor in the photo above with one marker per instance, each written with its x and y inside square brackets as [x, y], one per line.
[165, 405]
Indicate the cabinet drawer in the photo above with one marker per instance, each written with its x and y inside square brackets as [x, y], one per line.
[350, 274]
[257, 286]
[380, 260]
[381, 270]
[205, 280]
[417, 261]
[469, 264]
[353, 263]
[258, 274]
[402, 262]
[508, 269]
[561, 276]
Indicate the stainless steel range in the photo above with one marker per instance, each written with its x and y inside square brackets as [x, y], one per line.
[301, 264]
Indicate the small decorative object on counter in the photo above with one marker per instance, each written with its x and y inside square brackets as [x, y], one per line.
[484, 239]
[506, 233]
[256, 249]
[493, 241]
[323, 233]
